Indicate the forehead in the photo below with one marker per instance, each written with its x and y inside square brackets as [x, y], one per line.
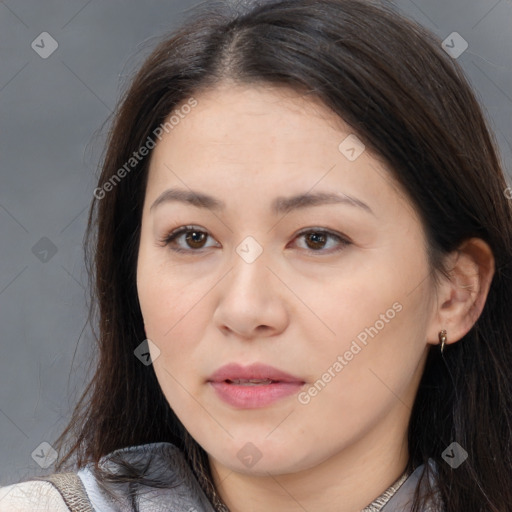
[264, 139]
[254, 119]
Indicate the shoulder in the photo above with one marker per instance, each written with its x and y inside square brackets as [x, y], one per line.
[163, 480]
[31, 496]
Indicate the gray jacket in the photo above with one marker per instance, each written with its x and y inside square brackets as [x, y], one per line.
[182, 492]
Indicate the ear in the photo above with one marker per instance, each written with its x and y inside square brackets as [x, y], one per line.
[461, 296]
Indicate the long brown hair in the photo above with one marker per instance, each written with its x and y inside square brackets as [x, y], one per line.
[410, 103]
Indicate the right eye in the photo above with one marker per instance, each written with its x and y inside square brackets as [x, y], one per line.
[194, 238]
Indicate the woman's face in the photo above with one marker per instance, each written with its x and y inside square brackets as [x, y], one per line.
[292, 318]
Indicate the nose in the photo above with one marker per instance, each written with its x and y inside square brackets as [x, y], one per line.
[252, 301]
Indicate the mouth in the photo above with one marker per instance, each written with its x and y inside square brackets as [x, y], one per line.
[251, 382]
[253, 386]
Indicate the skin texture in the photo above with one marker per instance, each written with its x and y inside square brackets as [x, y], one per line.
[299, 305]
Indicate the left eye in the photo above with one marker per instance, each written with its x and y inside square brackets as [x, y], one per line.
[316, 239]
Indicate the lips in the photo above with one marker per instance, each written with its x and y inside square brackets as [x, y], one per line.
[253, 386]
[254, 372]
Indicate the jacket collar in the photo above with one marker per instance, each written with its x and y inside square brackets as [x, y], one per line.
[181, 491]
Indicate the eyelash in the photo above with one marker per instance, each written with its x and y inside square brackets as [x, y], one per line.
[173, 235]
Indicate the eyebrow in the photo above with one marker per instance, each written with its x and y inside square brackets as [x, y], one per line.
[280, 205]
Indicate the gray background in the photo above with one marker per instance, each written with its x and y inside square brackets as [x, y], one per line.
[51, 111]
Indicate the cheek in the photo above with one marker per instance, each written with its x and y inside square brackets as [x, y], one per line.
[376, 319]
[173, 321]
[375, 359]
[168, 298]
[346, 306]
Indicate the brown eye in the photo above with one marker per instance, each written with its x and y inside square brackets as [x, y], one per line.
[316, 240]
[195, 239]
[323, 242]
[186, 239]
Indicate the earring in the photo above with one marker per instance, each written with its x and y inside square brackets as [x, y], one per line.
[442, 339]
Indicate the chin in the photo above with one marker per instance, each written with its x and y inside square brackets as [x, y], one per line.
[261, 458]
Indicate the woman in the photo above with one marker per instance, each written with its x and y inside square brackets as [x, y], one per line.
[302, 248]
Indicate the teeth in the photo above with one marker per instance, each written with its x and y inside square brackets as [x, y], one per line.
[251, 382]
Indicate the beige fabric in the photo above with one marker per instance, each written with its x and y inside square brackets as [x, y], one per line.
[33, 496]
[377, 504]
[72, 490]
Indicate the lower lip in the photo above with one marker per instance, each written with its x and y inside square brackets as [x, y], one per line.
[252, 397]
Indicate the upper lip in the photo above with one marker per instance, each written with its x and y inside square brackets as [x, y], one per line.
[256, 371]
